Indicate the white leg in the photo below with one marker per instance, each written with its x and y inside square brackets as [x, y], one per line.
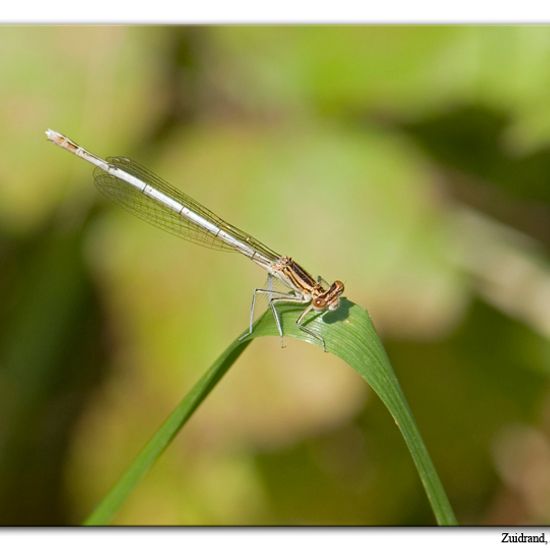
[269, 285]
[299, 322]
[270, 292]
[283, 299]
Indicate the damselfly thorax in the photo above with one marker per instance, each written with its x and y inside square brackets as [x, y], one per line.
[297, 278]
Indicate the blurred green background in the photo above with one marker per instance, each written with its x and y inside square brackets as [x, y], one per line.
[413, 163]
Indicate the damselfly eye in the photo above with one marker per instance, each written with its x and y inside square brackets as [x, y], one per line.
[319, 303]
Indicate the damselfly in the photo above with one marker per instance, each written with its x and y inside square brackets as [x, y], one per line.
[151, 198]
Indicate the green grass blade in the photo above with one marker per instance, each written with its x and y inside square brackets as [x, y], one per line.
[348, 334]
[110, 505]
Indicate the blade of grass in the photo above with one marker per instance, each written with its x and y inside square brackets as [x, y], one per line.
[110, 505]
[348, 334]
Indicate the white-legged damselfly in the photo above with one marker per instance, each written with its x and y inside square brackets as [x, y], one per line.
[151, 198]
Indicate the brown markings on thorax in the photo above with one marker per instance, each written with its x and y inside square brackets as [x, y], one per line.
[300, 277]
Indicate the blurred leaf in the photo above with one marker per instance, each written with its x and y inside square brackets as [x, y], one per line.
[50, 361]
[395, 69]
[95, 82]
[469, 142]
[349, 334]
[339, 68]
[489, 374]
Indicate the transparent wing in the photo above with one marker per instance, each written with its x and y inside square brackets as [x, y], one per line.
[158, 214]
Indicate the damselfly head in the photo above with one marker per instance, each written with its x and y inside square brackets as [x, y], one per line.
[335, 292]
[329, 299]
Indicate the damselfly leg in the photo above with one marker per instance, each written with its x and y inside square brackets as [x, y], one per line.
[275, 297]
[283, 298]
[300, 322]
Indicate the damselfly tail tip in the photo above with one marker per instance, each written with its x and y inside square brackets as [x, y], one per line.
[54, 136]
[61, 140]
